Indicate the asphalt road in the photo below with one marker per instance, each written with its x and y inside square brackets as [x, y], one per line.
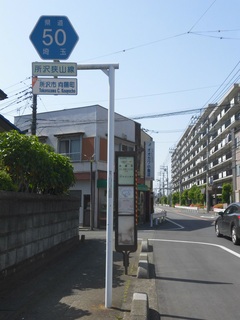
[196, 272]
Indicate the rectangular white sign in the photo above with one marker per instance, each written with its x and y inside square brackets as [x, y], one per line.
[54, 69]
[149, 160]
[55, 86]
[126, 170]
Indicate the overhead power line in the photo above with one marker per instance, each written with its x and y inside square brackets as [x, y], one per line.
[213, 36]
[167, 114]
[202, 16]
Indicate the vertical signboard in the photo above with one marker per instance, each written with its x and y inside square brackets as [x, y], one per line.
[126, 204]
[149, 160]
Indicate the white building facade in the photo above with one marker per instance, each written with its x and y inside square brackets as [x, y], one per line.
[81, 134]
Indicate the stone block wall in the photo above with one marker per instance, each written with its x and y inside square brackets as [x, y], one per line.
[32, 225]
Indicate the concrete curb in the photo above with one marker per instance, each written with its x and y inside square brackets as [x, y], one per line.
[139, 310]
[143, 265]
[140, 305]
[144, 246]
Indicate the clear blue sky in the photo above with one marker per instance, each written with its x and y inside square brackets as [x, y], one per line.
[173, 55]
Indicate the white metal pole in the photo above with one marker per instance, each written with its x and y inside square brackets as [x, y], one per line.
[109, 70]
[110, 193]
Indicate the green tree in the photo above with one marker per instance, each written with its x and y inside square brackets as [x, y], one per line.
[184, 197]
[226, 192]
[33, 166]
[164, 200]
[175, 198]
[195, 194]
[192, 194]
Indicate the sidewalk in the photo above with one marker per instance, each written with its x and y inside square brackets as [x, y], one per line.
[73, 286]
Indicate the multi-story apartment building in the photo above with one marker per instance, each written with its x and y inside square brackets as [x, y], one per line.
[81, 134]
[206, 153]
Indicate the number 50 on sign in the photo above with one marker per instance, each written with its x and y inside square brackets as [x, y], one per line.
[54, 37]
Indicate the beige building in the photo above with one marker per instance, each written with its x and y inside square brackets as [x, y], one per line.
[81, 134]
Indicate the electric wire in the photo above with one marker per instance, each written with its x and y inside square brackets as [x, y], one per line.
[205, 12]
[147, 44]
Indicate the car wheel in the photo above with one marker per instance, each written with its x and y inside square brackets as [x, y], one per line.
[217, 230]
[235, 238]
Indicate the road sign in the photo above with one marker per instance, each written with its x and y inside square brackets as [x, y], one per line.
[54, 86]
[54, 69]
[54, 37]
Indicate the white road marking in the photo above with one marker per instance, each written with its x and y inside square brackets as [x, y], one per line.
[179, 225]
[204, 243]
[208, 217]
[195, 217]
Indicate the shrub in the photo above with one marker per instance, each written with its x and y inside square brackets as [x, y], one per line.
[218, 206]
[6, 182]
[198, 205]
[33, 166]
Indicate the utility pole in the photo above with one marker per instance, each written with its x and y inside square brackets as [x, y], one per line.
[163, 170]
[34, 115]
[92, 192]
[234, 187]
[180, 178]
[207, 171]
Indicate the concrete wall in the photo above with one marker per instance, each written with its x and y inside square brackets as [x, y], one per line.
[32, 225]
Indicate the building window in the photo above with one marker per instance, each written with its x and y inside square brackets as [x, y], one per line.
[124, 147]
[237, 142]
[238, 170]
[227, 123]
[70, 147]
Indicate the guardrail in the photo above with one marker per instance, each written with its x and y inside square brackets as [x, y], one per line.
[158, 217]
[187, 208]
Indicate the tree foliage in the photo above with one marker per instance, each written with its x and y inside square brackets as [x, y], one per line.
[188, 196]
[175, 198]
[226, 192]
[195, 195]
[6, 182]
[164, 200]
[184, 197]
[33, 166]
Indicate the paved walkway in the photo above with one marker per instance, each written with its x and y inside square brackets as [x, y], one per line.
[73, 286]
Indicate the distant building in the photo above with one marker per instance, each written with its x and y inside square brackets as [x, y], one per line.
[3, 95]
[205, 154]
[6, 125]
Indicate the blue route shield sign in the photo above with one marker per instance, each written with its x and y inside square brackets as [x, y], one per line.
[54, 37]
